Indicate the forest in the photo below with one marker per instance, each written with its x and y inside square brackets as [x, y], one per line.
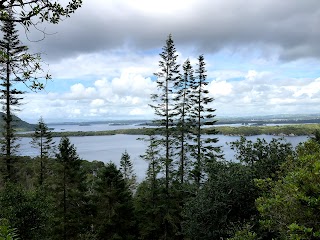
[278, 130]
[270, 190]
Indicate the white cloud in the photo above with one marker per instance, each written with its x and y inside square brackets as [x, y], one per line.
[137, 111]
[78, 91]
[131, 83]
[261, 93]
[119, 97]
[282, 101]
[97, 103]
[310, 89]
[128, 96]
[220, 88]
[224, 75]
[105, 63]
[252, 75]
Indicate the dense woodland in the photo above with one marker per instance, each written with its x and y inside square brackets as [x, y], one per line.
[269, 191]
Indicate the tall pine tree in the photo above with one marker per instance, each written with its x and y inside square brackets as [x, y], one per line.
[163, 100]
[68, 192]
[164, 108]
[183, 106]
[204, 148]
[17, 66]
[42, 140]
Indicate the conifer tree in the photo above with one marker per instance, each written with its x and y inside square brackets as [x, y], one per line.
[163, 100]
[152, 156]
[203, 148]
[150, 197]
[115, 218]
[164, 108]
[17, 66]
[42, 140]
[184, 122]
[69, 192]
[126, 169]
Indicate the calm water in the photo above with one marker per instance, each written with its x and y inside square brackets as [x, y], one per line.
[91, 127]
[110, 148]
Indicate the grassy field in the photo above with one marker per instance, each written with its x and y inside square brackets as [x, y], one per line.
[282, 130]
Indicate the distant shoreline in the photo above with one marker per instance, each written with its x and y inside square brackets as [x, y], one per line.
[278, 130]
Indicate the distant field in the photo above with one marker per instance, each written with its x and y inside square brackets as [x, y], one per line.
[281, 130]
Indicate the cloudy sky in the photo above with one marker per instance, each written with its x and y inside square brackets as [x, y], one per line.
[262, 57]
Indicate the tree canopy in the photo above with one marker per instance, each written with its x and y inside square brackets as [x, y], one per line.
[32, 12]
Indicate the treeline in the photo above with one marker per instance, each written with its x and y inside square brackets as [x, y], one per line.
[279, 130]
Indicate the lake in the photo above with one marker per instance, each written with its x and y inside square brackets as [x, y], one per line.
[110, 148]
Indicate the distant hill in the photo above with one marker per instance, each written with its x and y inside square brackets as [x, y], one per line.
[20, 125]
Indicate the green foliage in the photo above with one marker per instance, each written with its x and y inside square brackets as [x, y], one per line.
[184, 123]
[155, 208]
[296, 130]
[150, 209]
[167, 78]
[68, 190]
[163, 102]
[279, 130]
[126, 168]
[17, 66]
[203, 147]
[92, 172]
[264, 158]
[6, 232]
[164, 108]
[115, 218]
[42, 139]
[153, 157]
[316, 136]
[225, 201]
[30, 12]
[26, 210]
[19, 124]
[291, 205]
[244, 234]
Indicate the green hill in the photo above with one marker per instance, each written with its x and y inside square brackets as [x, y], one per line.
[20, 125]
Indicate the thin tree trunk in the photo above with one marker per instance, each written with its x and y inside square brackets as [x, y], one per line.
[182, 136]
[41, 159]
[167, 152]
[64, 205]
[167, 134]
[199, 136]
[8, 118]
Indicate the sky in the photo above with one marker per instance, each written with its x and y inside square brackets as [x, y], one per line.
[262, 57]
